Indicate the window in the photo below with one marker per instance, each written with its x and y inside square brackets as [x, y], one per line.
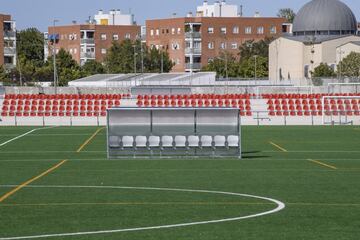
[210, 30]
[248, 30]
[211, 45]
[234, 46]
[223, 30]
[167, 31]
[157, 32]
[103, 51]
[273, 30]
[173, 31]
[115, 37]
[260, 30]
[103, 36]
[223, 45]
[75, 50]
[71, 51]
[236, 30]
[152, 32]
[127, 36]
[178, 30]
[163, 31]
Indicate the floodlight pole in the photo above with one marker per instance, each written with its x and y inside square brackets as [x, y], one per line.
[54, 57]
[142, 57]
[255, 73]
[134, 46]
[162, 61]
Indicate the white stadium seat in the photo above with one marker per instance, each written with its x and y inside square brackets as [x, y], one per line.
[220, 141]
[167, 141]
[180, 141]
[193, 141]
[154, 141]
[206, 141]
[128, 141]
[114, 141]
[141, 141]
[233, 141]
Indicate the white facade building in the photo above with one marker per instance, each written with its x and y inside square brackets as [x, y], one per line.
[218, 9]
[114, 17]
[318, 36]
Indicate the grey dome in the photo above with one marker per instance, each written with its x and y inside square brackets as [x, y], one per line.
[325, 17]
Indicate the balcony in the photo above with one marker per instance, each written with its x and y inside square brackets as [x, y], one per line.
[90, 55]
[9, 34]
[194, 66]
[193, 35]
[9, 66]
[196, 51]
[88, 41]
[9, 51]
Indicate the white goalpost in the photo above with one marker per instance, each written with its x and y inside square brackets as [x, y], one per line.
[343, 87]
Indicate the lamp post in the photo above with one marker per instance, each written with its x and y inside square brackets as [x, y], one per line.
[162, 59]
[54, 56]
[255, 72]
[134, 46]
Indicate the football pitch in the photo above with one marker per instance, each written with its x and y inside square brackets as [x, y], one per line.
[293, 183]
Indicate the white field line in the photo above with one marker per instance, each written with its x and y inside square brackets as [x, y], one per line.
[23, 135]
[280, 206]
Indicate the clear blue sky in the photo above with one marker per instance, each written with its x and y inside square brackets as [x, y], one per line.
[40, 13]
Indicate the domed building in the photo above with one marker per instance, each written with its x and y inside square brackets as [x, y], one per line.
[324, 31]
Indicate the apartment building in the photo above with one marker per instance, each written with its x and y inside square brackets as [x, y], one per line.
[7, 41]
[193, 41]
[92, 40]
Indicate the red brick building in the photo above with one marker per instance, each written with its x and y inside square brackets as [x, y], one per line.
[194, 41]
[7, 41]
[90, 41]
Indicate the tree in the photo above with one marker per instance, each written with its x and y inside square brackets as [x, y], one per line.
[67, 68]
[92, 67]
[225, 65]
[247, 67]
[251, 47]
[30, 46]
[323, 70]
[350, 65]
[287, 13]
[3, 74]
[120, 58]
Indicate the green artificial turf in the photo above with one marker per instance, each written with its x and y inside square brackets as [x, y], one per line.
[322, 203]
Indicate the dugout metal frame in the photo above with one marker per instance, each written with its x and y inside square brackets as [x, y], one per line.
[173, 132]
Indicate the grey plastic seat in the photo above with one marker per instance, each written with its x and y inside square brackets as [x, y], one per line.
[206, 141]
[154, 141]
[233, 141]
[167, 141]
[141, 141]
[114, 142]
[193, 141]
[127, 141]
[220, 141]
[180, 141]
